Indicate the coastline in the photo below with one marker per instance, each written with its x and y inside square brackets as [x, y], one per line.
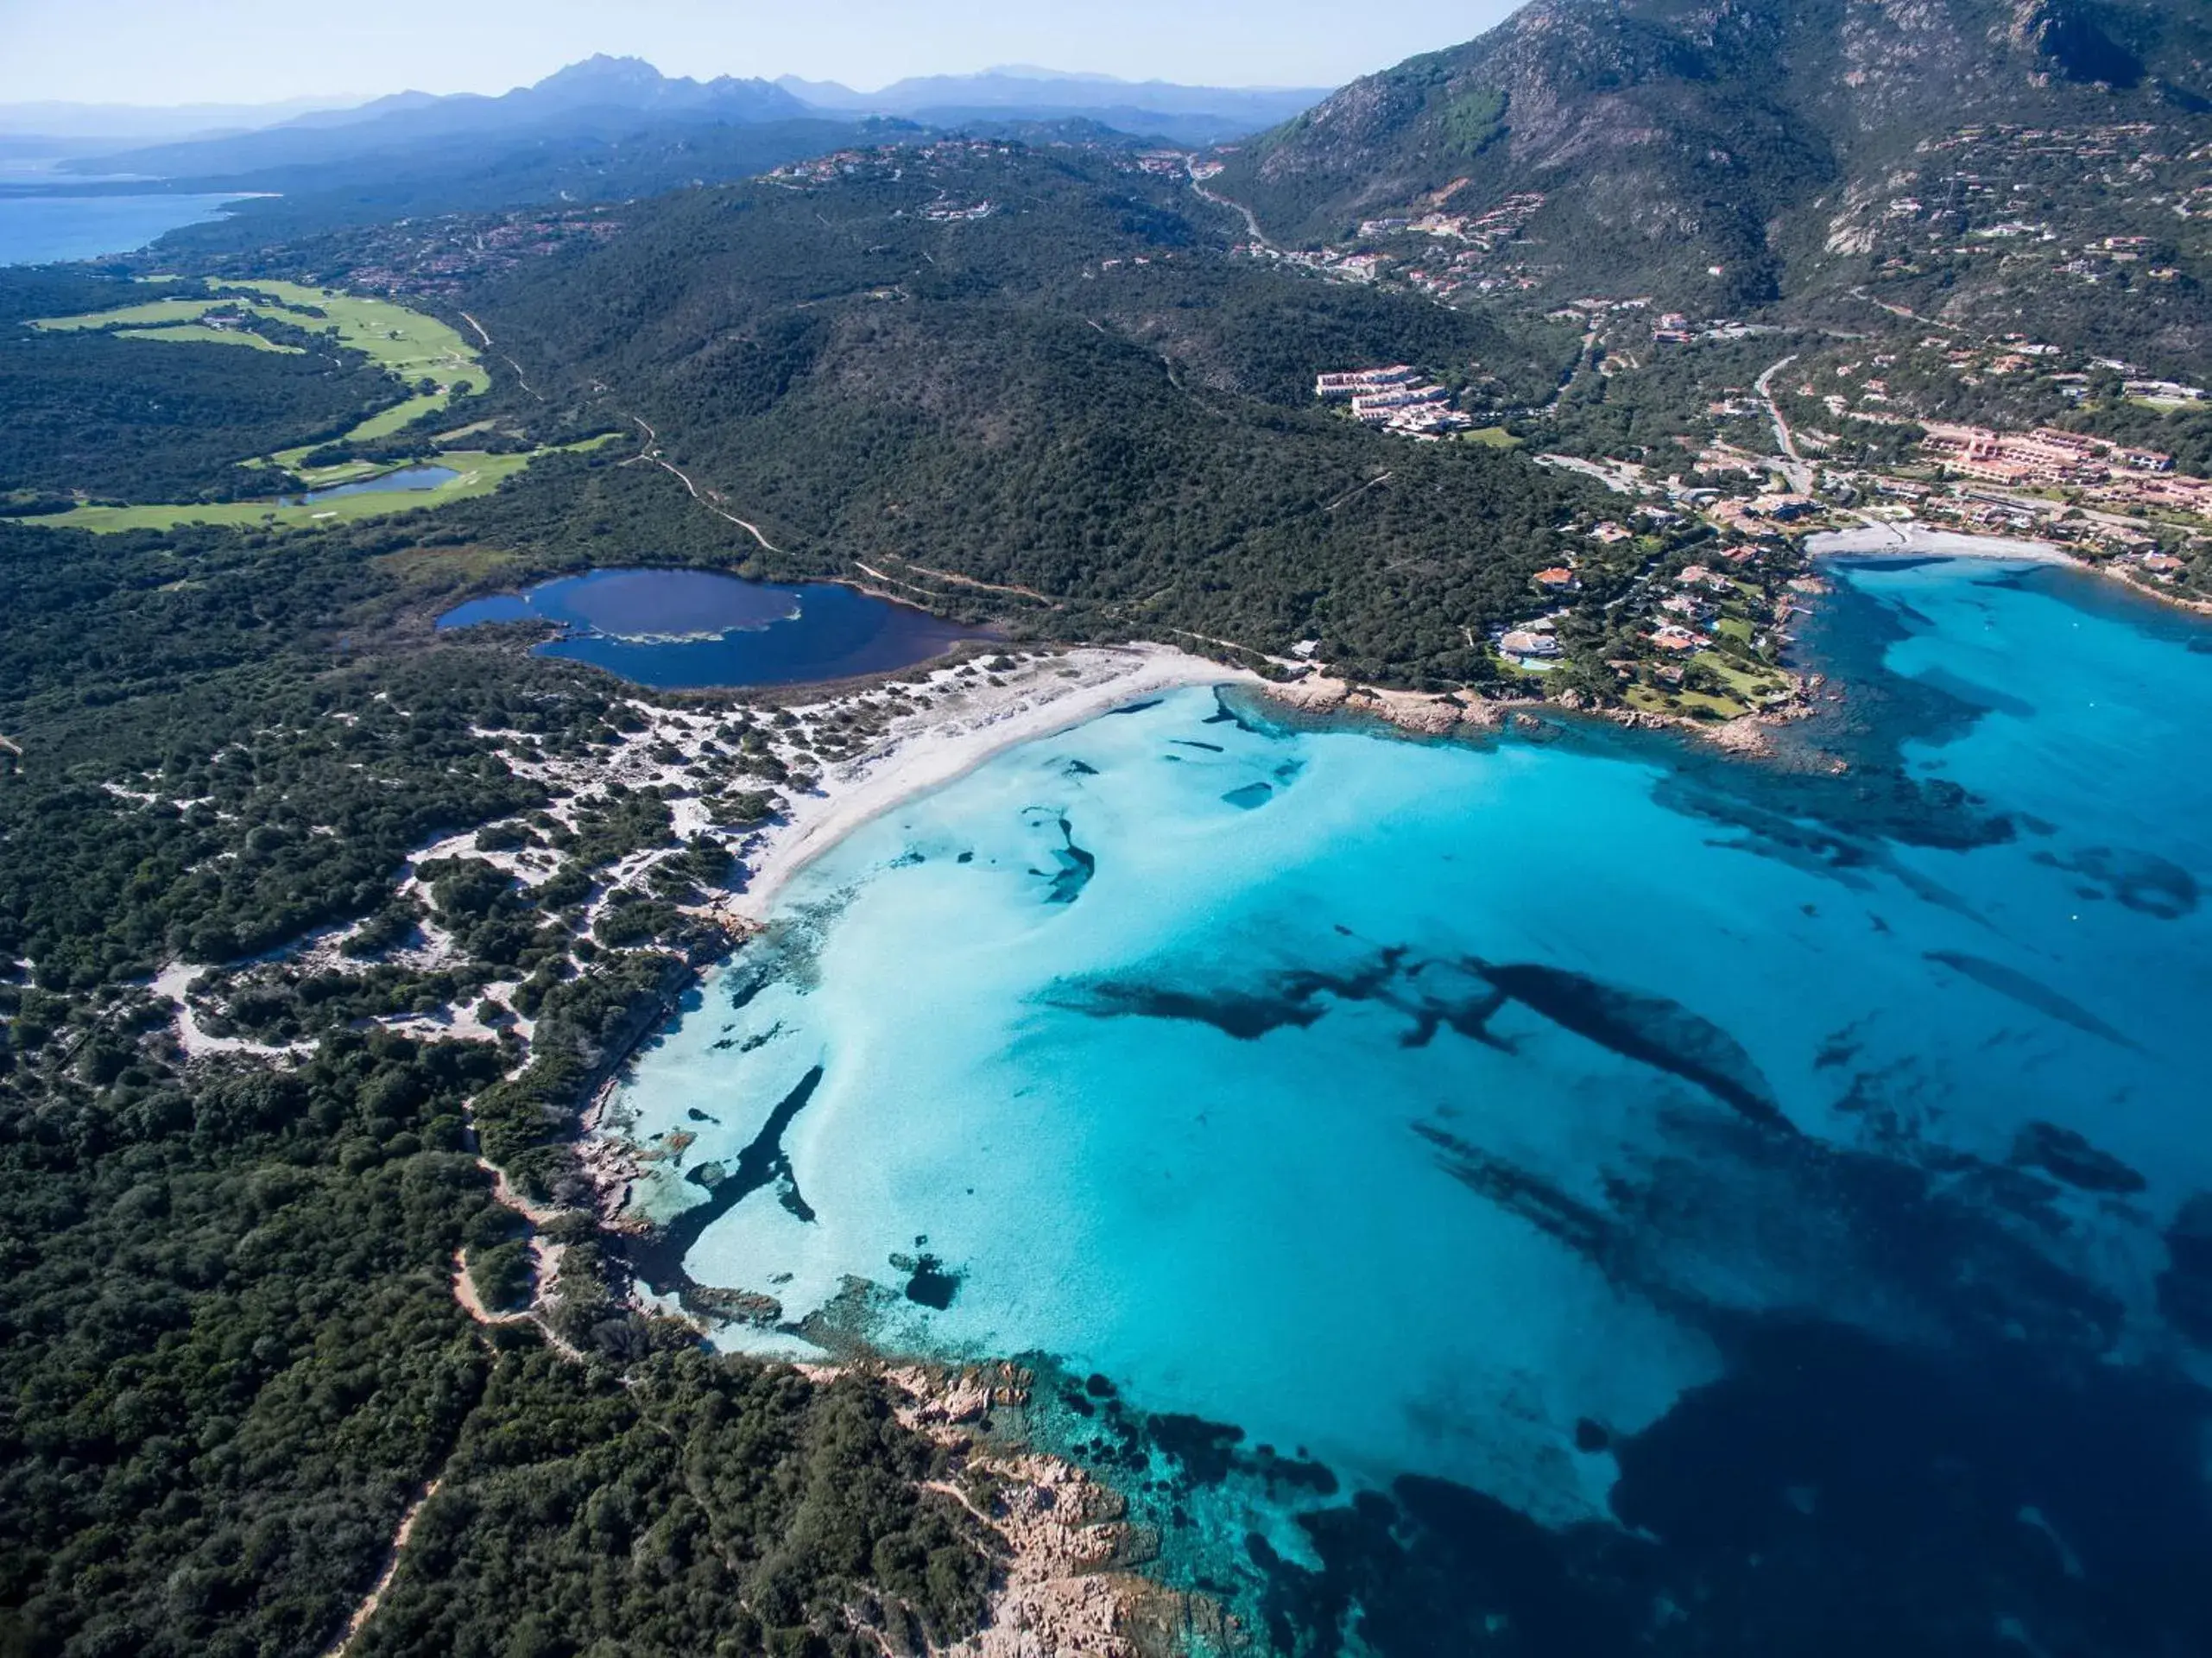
[946, 740]
[1916, 541]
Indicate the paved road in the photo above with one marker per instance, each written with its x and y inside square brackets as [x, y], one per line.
[1251, 220]
[1796, 467]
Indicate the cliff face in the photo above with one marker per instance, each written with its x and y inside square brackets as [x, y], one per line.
[1686, 134]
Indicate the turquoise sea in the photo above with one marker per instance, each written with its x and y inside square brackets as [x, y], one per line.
[1566, 1194]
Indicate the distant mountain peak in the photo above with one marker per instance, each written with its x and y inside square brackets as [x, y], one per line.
[610, 79]
[605, 66]
[1024, 93]
[1032, 71]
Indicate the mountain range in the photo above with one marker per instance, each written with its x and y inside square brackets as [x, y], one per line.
[613, 98]
[1672, 139]
[1194, 115]
[602, 95]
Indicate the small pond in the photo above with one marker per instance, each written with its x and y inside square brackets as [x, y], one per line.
[694, 629]
[407, 479]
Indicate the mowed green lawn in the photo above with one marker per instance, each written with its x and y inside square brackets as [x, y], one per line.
[152, 314]
[479, 474]
[410, 344]
[407, 344]
[194, 334]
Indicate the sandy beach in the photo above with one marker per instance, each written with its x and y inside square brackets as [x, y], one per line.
[965, 726]
[1915, 540]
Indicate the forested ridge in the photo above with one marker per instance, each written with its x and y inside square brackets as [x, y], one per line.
[1082, 394]
[231, 1351]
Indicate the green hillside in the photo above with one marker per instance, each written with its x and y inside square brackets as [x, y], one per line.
[1722, 156]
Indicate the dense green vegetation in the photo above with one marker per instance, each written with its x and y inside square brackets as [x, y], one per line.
[134, 419]
[708, 1508]
[231, 1353]
[1017, 401]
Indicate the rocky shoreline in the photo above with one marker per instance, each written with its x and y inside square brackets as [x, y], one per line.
[1444, 714]
[1068, 1583]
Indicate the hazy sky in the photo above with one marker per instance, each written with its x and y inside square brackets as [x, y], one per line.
[261, 51]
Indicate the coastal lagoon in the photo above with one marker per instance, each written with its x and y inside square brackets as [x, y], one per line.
[692, 629]
[1567, 1193]
[43, 230]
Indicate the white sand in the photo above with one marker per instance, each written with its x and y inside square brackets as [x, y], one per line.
[952, 737]
[1916, 541]
[171, 984]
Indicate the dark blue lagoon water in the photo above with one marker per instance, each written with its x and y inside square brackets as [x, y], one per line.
[1574, 1195]
[688, 629]
[40, 230]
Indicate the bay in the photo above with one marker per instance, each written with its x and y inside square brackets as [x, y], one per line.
[1530, 1188]
[45, 229]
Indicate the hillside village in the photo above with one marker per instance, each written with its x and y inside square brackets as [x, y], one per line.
[1697, 577]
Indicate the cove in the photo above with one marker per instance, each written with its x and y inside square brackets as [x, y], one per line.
[1564, 1195]
[692, 630]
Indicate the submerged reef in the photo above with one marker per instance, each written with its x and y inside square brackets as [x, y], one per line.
[1463, 995]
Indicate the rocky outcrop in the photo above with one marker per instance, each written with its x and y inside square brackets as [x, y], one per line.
[1419, 713]
[1065, 1587]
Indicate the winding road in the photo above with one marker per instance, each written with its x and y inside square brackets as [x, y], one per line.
[1795, 466]
[1251, 220]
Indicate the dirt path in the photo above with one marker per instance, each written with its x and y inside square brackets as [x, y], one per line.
[652, 452]
[1901, 311]
[520, 378]
[375, 1597]
[960, 581]
[547, 1259]
[1351, 496]
[464, 1292]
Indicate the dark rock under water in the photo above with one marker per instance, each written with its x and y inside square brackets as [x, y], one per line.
[1652, 1030]
[1464, 997]
[657, 1259]
[2011, 983]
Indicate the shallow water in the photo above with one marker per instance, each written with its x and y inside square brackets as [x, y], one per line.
[683, 629]
[41, 230]
[1507, 1196]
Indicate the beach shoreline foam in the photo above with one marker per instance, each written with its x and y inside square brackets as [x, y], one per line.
[951, 738]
